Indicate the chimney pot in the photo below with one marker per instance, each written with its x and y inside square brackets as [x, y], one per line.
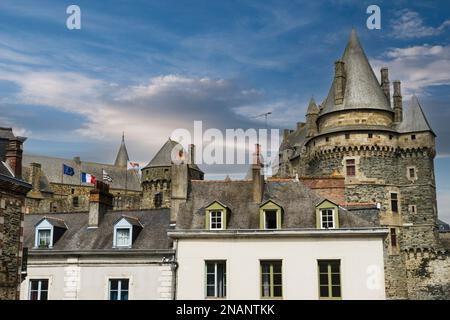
[398, 102]
[100, 200]
[385, 84]
[13, 156]
[191, 154]
[257, 175]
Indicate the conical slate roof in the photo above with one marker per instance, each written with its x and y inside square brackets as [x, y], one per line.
[163, 157]
[122, 156]
[312, 107]
[414, 119]
[362, 90]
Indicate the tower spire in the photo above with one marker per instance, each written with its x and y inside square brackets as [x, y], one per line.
[122, 156]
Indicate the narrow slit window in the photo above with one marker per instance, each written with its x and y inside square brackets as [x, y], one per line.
[350, 167]
[394, 202]
[393, 237]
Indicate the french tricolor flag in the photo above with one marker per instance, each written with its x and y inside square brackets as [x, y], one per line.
[87, 178]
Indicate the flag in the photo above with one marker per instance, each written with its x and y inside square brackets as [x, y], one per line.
[68, 170]
[88, 178]
[106, 176]
[133, 165]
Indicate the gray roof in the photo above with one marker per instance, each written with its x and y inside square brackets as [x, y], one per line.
[122, 156]
[362, 90]
[78, 237]
[312, 107]
[297, 200]
[414, 119]
[56, 222]
[52, 169]
[163, 157]
[443, 226]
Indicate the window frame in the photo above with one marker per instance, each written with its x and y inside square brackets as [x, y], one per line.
[216, 283]
[43, 225]
[210, 212]
[327, 205]
[269, 205]
[271, 263]
[39, 290]
[216, 206]
[333, 219]
[396, 200]
[119, 225]
[351, 165]
[119, 289]
[330, 282]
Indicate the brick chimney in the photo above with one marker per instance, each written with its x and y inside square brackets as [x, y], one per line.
[100, 201]
[398, 102]
[13, 155]
[339, 82]
[257, 175]
[385, 84]
[35, 178]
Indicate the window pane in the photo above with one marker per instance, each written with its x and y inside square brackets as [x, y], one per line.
[114, 284]
[124, 284]
[323, 291]
[33, 295]
[114, 295]
[271, 219]
[336, 291]
[210, 279]
[335, 279]
[44, 285]
[335, 266]
[323, 278]
[265, 267]
[122, 237]
[277, 267]
[124, 295]
[210, 291]
[44, 295]
[277, 291]
[277, 279]
[34, 284]
[323, 267]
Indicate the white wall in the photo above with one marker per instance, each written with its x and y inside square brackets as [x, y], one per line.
[87, 279]
[358, 256]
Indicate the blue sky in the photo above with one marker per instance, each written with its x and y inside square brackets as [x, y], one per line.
[149, 67]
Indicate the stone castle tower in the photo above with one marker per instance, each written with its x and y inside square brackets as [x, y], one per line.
[385, 152]
[163, 181]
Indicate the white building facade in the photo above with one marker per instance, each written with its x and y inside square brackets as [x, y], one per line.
[283, 264]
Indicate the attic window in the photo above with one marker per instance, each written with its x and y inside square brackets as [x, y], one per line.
[413, 137]
[327, 219]
[216, 220]
[44, 239]
[126, 230]
[270, 219]
[123, 237]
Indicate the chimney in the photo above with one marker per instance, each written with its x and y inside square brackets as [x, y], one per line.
[191, 154]
[339, 82]
[100, 200]
[385, 85]
[286, 133]
[13, 155]
[35, 180]
[179, 187]
[257, 175]
[77, 160]
[398, 103]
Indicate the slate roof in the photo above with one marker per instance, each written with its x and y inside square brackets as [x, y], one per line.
[52, 170]
[122, 156]
[362, 90]
[443, 226]
[56, 222]
[297, 200]
[163, 157]
[78, 237]
[312, 107]
[414, 119]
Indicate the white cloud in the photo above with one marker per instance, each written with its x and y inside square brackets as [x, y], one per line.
[409, 24]
[418, 67]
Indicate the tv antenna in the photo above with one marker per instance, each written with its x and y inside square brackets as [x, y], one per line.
[265, 115]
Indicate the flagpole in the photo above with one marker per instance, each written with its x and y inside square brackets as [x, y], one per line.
[62, 179]
[126, 178]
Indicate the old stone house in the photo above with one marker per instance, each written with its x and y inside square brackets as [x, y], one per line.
[100, 254]
[385, 152]
[12, 200]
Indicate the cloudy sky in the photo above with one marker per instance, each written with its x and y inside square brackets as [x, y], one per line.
[149, 67]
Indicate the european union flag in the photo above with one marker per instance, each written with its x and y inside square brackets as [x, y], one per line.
[68, 170]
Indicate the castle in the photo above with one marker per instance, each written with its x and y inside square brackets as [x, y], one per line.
[361, 165]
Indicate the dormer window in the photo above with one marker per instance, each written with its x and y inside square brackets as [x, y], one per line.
[126, 230]
[270, 216]
[216, 220]
[48, 231]
[44, 239]
[327, 219]
[216, 215]
[327, 215]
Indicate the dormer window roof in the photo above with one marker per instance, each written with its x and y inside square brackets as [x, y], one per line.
[270, 215]
[216, 216]
[48, 231]
[126, 230]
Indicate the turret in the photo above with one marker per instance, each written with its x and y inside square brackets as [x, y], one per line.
[311, 118]
[385, 84]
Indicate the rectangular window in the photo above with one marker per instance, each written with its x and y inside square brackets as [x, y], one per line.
[350, 167]
[413, 208]
[118, 289]
[370, 135]
[44, 238]
[75, 201]
[122, 237]
[215, 221]
[270, 219]
[394, 202]
[347, 136]
[413, 137]
[271, 279]
[38, 289]
[216, 279]
[327, 219]
[412, 173]
[329, 279]
[393, 237]
[157, 200]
